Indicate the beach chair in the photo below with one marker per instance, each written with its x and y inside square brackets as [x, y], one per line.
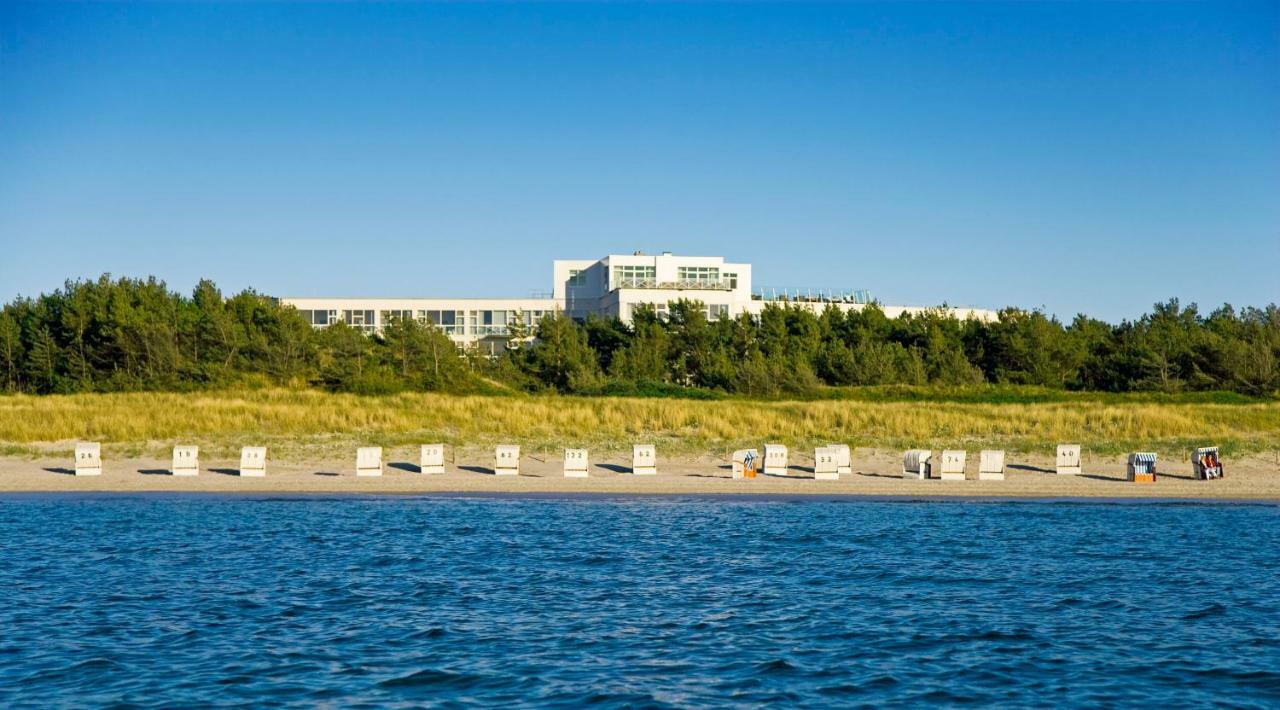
[506, 460]
[844, 458]
[775, 460]
[1141, 467]
[953, 465]
[253, 461]
[369, 461]
[826, 464]
[644, 460]
[1206, 464]
[991, 465]
[431, 459]
[89, 458]
[746, 463]
[575, 463]
[186, 461]
[917, 463]
[1068, 463]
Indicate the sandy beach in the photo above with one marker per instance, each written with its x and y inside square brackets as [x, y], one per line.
[875, 473]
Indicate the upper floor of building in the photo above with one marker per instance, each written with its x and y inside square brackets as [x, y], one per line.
[612, 286]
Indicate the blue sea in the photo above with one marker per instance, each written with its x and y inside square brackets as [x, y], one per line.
[180, 600]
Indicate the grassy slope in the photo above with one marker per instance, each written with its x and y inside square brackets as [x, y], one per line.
[313, 424]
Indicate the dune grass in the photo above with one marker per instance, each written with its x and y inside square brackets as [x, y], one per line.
[313, 424]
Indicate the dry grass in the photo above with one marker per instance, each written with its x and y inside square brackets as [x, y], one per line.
[308, 423]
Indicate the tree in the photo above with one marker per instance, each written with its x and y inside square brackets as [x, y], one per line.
[343, 355]
[42, 360]
[129, 334]
[645, 357]
[11, 352]
[561, 357]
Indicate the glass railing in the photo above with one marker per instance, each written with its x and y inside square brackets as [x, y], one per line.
[691, 285]
[812, 295]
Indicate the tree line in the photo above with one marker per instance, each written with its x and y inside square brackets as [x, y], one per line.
[133, 334]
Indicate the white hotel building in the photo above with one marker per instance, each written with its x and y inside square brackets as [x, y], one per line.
[608, 287]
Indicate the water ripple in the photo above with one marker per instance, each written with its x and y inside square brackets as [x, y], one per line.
[666, 602]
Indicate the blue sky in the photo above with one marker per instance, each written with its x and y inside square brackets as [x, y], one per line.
[1077, 157]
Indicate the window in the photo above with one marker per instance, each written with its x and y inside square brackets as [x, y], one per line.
[698, 275]
[319, 318]
[360, 318]
[388, 315]
[449, 321]
[364, 320]
[635, 276]
[732, 279]
[719, 310]
[493, 322]
[577, 277]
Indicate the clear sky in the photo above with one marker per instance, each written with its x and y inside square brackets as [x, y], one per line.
[1078, 157]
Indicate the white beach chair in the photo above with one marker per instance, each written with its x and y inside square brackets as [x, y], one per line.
[775, 460]
[953, 465]
[186, 461]
[826, 464]
[991, 465]
[575, 463]
[1068, 463]
[432, 459]
[253, 461]
[917, 463]
[369, 461]
[644, 460]
[506, 460]
[89, 458]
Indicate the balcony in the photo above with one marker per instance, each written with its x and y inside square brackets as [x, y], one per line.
[812, 295]
[693, 285]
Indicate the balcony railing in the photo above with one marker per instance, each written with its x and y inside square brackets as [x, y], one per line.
[812, 295]
[691, 285]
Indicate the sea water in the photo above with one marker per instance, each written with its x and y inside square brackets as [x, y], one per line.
[345, 601]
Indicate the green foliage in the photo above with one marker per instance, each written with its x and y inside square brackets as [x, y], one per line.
[132, 334]
[563, 358]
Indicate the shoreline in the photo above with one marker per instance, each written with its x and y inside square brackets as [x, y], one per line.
[736, 496]
[876, 476]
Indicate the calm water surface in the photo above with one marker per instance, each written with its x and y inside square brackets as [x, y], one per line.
[390, 601]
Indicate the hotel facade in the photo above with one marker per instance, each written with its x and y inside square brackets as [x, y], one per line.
[609, 287]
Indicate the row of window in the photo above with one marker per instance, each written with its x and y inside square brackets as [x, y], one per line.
[476, 323]
[451, 322]
[698, 274]
[634, 276]
[356, 319]
[647, 277]
[712, 312]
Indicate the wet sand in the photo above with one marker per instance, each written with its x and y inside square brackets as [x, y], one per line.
[875, 473]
